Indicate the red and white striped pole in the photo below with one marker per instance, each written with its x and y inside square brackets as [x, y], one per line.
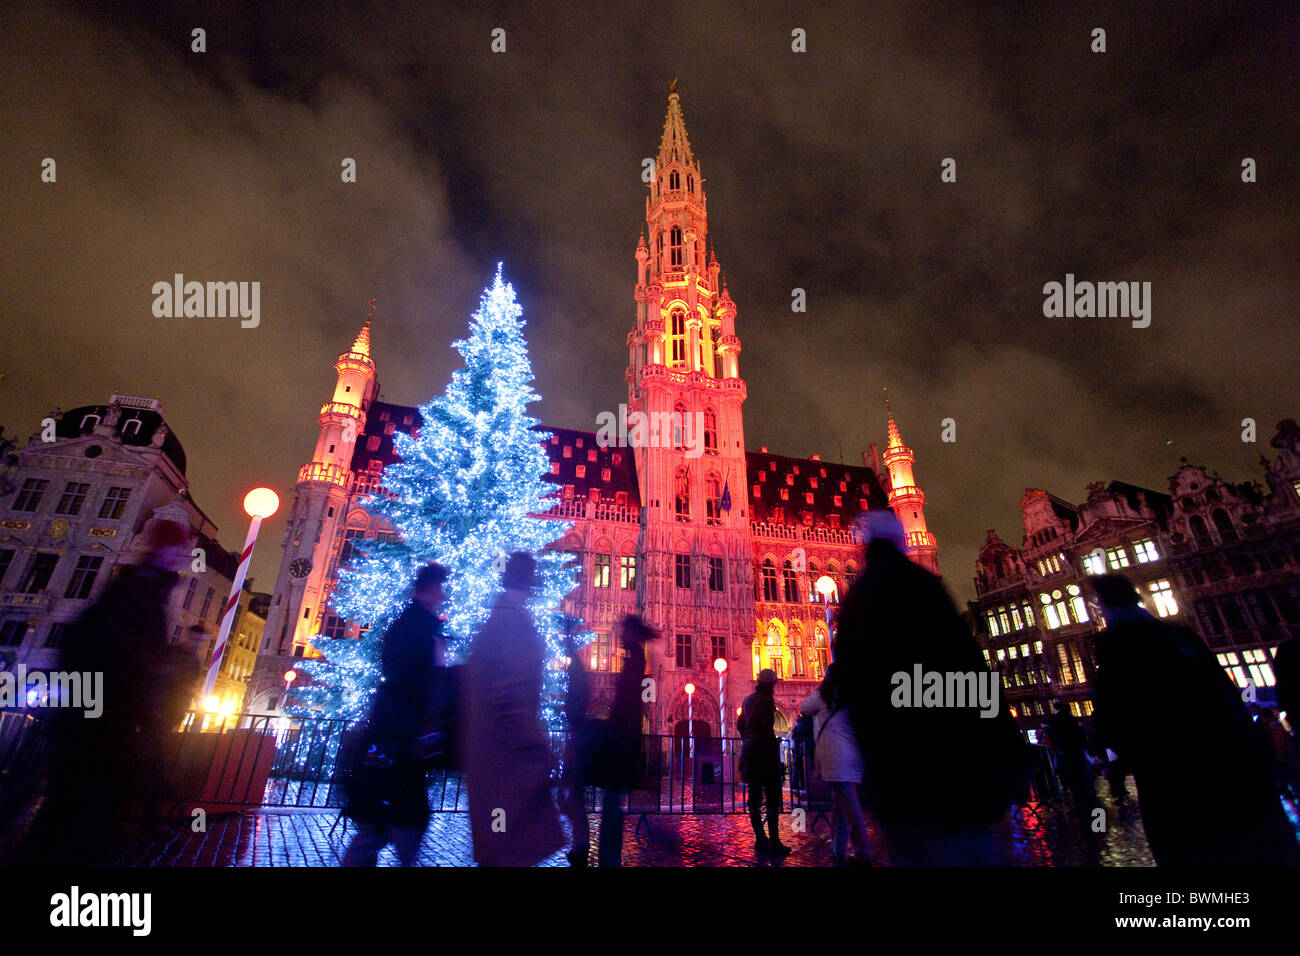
[259, 503]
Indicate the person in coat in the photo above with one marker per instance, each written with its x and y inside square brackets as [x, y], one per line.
[760, 762]
[621, 750]
[937, 778]
[100, 764]
[1204, 788]
[390, 799]
[577, 753]
[839, 763]
[505, 755]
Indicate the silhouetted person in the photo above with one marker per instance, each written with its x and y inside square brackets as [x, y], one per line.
[839, 763]
[390, 797]
[506, 757]
[1070, 744]
[1280, 749]
[622, 747]
[760, 763]
[1286, 673]
[1148, 670]
[936, 777]
[100, 764]
[577, 753]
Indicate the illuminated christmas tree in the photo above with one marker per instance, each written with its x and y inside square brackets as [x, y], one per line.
[463, 494]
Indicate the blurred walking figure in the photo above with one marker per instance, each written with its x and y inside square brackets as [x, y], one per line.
[618, 748]
[577, 753]
[388, 797]
[1148, 669]
[760, 763]
[937, 778]
[839, 763]
[99, 765]
[1280, 748]
[1069, 742]
[506, 757]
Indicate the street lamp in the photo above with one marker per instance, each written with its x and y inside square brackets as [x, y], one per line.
[690, 719]
[258, 504]
[289, 677]
[720, 665]
[826, 587]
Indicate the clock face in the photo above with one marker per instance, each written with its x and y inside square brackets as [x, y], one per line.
[300, 568]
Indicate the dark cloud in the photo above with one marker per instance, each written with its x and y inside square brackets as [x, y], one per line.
[823, 174]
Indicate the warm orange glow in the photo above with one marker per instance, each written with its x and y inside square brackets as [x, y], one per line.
[261, 503]
[290, 676]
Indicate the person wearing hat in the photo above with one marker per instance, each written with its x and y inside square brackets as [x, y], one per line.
[760, 762]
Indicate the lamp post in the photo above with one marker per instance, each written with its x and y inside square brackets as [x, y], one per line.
[290, 676]
[720, 665]
[826, 587]
[258, 504]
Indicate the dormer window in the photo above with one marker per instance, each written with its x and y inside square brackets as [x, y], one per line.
[131, 427]
[90, 421]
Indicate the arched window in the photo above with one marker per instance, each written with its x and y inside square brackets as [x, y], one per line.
[774, 650]
[682, 498]
[850, 574]
[675, 246]
[1200, 532]
[1224, 526]
[789, 583]
[813, 575]
[131, 426]
[89, 421]
[677, 338]
[768, 575]
[833, 572]
[679, 426]
[710, 432]
[713, 500]
[674, 180]
[796, 650]
[690, 183]
[819, 655]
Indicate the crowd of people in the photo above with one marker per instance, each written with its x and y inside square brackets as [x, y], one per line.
[935, 779]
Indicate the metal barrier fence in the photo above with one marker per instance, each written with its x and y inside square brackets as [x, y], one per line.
[252, 760]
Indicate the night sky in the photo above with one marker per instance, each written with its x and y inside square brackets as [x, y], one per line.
[823, 173]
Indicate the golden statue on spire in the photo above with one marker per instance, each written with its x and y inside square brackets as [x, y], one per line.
[672, 87]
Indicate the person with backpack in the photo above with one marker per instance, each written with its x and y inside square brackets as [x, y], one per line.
[388, 796]
[839, 763]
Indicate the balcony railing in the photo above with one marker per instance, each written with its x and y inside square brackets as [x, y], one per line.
[919, 539]
[344, 409]
[40, 601]
[320, 471]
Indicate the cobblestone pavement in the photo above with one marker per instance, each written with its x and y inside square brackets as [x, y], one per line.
[1038, 835]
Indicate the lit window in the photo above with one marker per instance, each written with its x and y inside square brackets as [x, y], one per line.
[601, 575]
[1077, 604]
[993, 625]
[1117, 558]
[1145, 550]
[627, 572]
[1163, 596]
[1094, 564]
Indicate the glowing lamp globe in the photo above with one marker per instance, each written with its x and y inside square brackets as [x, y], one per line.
[290, 676]
[720, 665]
[261, 503]
[690, 689]
[825, 586]
[212, 704]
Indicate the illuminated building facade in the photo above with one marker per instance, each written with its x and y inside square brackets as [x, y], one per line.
[1218, 557]
[718, 547]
